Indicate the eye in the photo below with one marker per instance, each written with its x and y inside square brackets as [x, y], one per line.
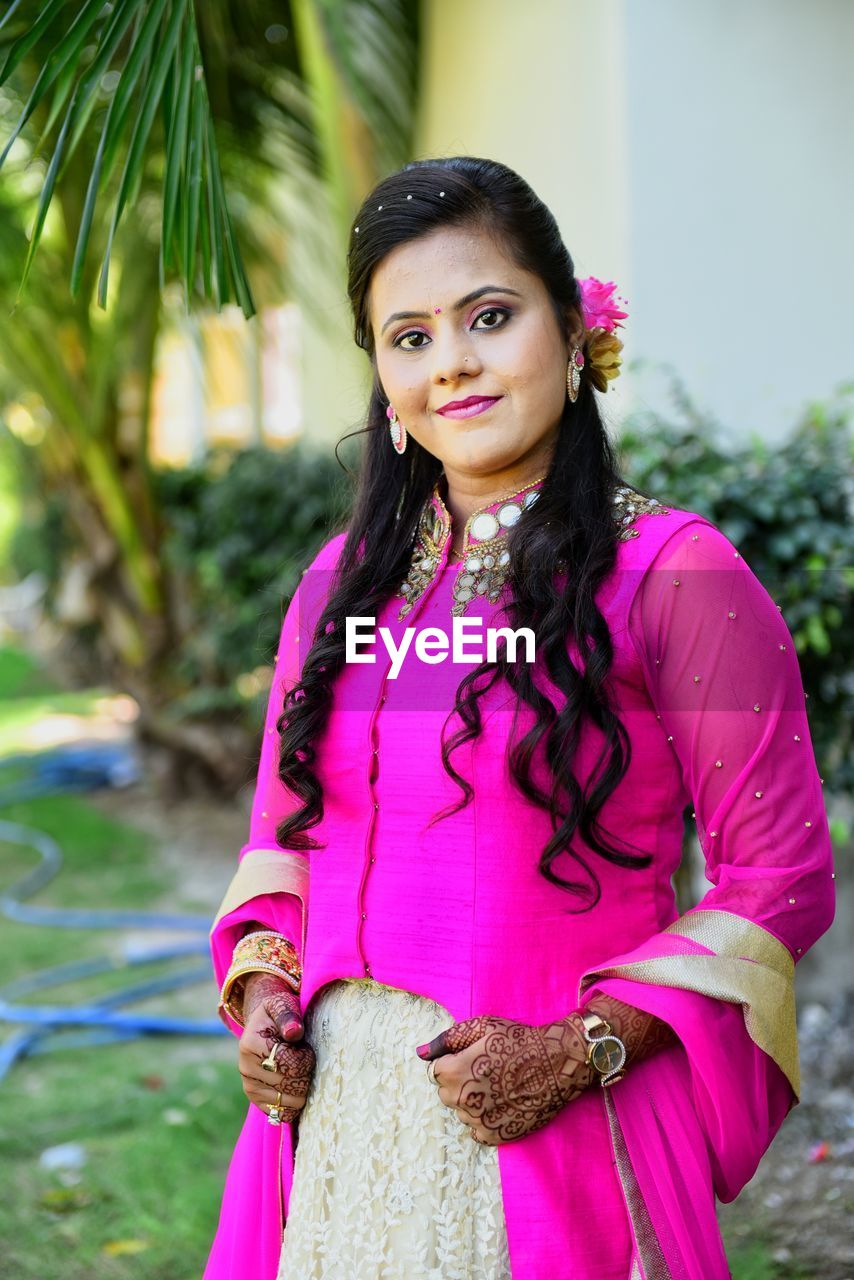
[494, 311]
[411, 333]
[503, 312]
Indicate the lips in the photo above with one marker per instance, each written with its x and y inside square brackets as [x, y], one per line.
[469, 407]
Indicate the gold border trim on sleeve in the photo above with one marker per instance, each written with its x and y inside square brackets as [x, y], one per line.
[749, 967]
[646, 1241]
[729, 934]
[267, 871]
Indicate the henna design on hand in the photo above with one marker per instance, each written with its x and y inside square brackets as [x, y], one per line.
[271, 998]
[296, 1068]
[270, 1036]
[518, 1078]
[274, 993]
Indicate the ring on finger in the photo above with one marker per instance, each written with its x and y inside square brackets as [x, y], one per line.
[431, 1072]
[269, 1063]
[274, 1115]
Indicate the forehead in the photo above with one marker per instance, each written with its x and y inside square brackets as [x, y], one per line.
[439, 268]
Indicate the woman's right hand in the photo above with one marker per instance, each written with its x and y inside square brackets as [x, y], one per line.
[271, 1016]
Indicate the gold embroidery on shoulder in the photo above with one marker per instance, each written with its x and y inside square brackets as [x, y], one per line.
[628, 506]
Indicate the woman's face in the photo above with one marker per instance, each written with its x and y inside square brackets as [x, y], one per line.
[504, 343]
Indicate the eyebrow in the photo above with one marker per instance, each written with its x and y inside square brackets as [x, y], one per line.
[458, 306]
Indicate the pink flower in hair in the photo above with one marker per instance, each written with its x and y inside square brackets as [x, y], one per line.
[599, 304]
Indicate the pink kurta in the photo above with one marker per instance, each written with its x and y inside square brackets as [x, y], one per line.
[622, 1182]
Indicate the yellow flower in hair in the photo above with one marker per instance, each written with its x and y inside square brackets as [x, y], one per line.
[603, 357]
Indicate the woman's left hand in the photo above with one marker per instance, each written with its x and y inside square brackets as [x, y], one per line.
[506, 1079]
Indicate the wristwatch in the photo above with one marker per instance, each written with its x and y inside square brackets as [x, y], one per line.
[607, 1053]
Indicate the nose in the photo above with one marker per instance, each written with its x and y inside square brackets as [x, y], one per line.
[453, 354]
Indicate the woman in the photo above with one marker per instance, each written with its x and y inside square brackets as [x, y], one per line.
[492, 838]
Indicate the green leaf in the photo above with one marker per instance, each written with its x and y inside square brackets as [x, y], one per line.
[68, 53]
[219, 292]
[840, 832]
[31, 36]
[123, 15]
[145, 118]
[44, 203]
[98, 169]
[62, 56]
[88, 213]
[204, 239]
[134, 71]
[817, 634]
[64, 85]
[176, 145]
[9, 13]
[193, 190]
[244, 295]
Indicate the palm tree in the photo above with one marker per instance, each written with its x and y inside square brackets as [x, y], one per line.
[132, 121]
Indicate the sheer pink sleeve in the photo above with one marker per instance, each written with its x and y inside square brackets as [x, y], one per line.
[722, 676]
[722, 671]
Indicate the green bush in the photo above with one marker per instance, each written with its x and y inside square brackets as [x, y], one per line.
[787, 506]
[37, 537]
[239, 530]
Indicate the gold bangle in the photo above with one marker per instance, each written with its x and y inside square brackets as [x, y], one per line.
[266, 947]
[263, 951]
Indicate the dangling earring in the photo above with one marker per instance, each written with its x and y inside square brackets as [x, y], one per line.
[397, 430]
[573, 373]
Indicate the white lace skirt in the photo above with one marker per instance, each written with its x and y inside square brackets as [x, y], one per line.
[388, 1184]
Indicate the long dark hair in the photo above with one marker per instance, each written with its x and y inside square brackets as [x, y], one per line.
[571, 523]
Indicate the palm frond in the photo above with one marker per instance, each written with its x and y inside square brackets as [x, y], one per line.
[153, 45]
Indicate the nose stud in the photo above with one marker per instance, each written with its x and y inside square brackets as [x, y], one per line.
[437, 311]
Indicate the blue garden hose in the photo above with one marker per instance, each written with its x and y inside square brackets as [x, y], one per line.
[84, 769]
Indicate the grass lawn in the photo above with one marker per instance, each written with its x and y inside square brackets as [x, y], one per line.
[155, 1117]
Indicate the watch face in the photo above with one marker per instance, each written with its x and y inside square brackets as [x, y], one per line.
[607, 1055]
